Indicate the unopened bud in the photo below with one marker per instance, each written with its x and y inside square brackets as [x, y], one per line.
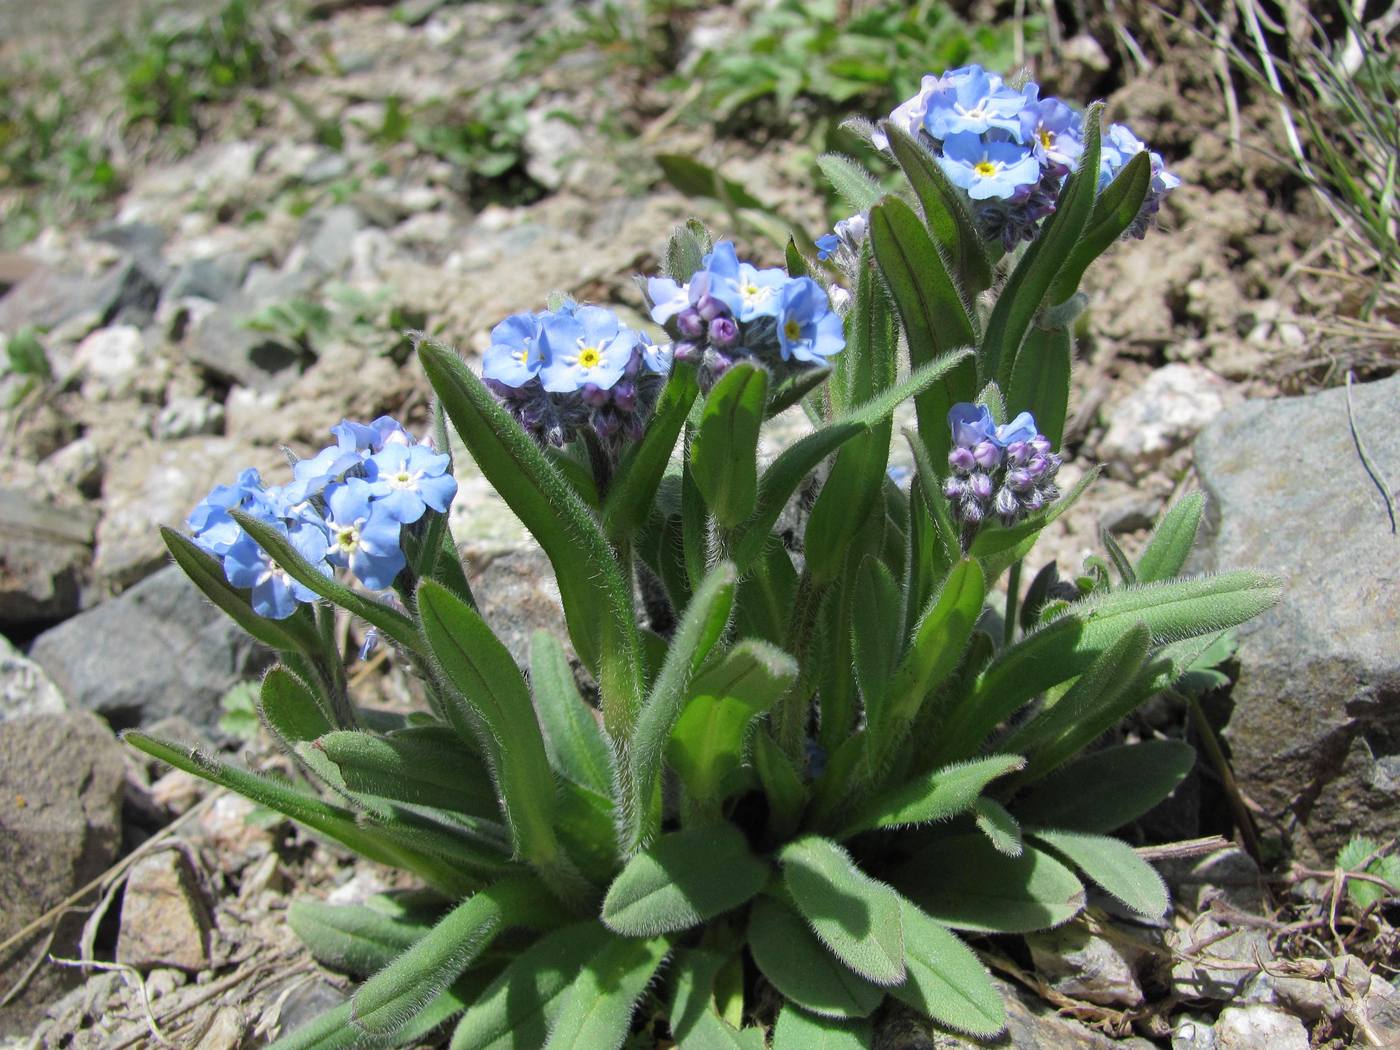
[724, 332]
[709, 307]
[690, 323]
[986, 454]
[980, 485]
[960, 459]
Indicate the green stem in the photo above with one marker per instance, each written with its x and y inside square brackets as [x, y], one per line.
[1243, 819]
[790, 717]
[1013, 597]
[333, 666]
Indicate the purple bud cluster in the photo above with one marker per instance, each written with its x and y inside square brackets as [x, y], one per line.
[1006, 472]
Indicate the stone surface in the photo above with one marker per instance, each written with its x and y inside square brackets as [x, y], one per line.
[165, 920]
[157, 650]
[47, 298]
[225, 1031]
[517, 596]
[1315, 731]
[223, 344]
[1259, 1027]
[1163, 414]
[44, 551]
[189, 417]
[60, 826]
[1084, 966]
[25, 687]
[110, 361]
[1213, 964]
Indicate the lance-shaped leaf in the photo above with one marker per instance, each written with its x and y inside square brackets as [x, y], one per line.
[701, 626]
[947, 982]
[291, 709]
[1029, 284]
[571, 735]
[796, 1030]
[423, 766]
[875, 635]
[597, 599]
[853, 485]
[393, 623]
[788, 953]
[387, 1002]
[332, 821]
[794, 389]
[695, 1023]
[685, 252]
[597, 1012]
[945, 211]
[1118, 205]
[489, 699]
[854, 915]
[936, 318]
[933, 796]
[337, 1029]
[707, 745]
[963, 881]
[517, 1009]
[724, 453]
[1111, 864]
[1107, 789]
[353, 938]
[763, 605]
[639, 474]
[682, 880]
[940, 639]
[781, 783]
[1172, 539]
[868, 364]
[294, 634]
[852, 183]
[1001, 828]
[1040, 380]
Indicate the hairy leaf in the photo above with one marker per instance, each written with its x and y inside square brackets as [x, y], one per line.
[938, 795]
[947, 981]
[639, 474]
[597, 1012]
[853, 184]
[695, 1023]
[291, 709]
[1104, 790]
[797, 1030]
[1171, 541]
[724, 454]
[1113, 865]
[801, 968]
[352, 938]
[1000, 827]
[571, 735]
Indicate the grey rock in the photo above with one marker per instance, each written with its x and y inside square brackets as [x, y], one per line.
[60, 826]
[223, 344]
[110, 361]
[1129, 514]
[307, 1001]
[25, 687]
[1085, 966]
[1162, 415]
[76, 467]
[44, 553]
[47, 297]
[553, 147]
[159, 649]
[1230, 875]
[1259, 1027]
[1315, 730]
[189, 417]
[225, 1031]
[517, 596]
[1193, 1034]
[329, 239]
[1211, 968]
[165, 920]
[216, 279]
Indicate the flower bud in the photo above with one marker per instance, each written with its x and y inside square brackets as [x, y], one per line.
[980, 485]
[954, 489]
[960, 459]
[687, 351]
[1033, 501]
[1019, 479]
[970, 511]
[690, 323]
[1040, 444]
[709, 307]
[1007, 506]
[593, 395]
[624, 396]
[986, 454]
[1017, 453]
[724, 332]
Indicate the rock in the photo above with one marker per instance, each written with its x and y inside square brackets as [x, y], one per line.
[328, 241]
[1259, 1027]
[155, 484]
[189, 417]
[165, 920]
[60, 826]
[76, 467]
[159, 649]
[229, 835]
[307, 1001]
[44, 552]
[47, 298]
[1196, 947]
[1129, 514]
[25, 688]
[518, 595]
[213, 278]
[110, 361]
[553, 146]
[1162, 415]
[1231, 875]
[1085, 966]
[225, 1031]
[223, 343]
[1193, 1034]
[1315, 729]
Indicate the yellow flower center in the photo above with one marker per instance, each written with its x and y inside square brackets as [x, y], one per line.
[792, 330]
[1047, 138]
[522, 356]
[986, 169]
[589, 357]
[347, 539]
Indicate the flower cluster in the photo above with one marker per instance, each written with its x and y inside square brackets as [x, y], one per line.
[731, 310]
[345, 507]
[1010, 150]
[1007, 471]
[578, 366]
[842, 245]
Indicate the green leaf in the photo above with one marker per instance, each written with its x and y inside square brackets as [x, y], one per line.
[1171, 541]
[936, 317]
[868, 364]
[724, 454]
[685, 254]
[517, 1008]
[695, 1023]
[695, 179]
[1104, 790]
[1029, 284]
[682, 880]
[940, 639]
[933, 796]
[853, 184]
[1352, 859]
[495, 706]
[781, 783]
[1000, 827]
[639, 474]
[796, 1030]
[1040, 380]
[945, 211]
[963, 881]
[1118, 205]
[291, 709]
[854, 482]
[794, 389]
[597, 599]
[294, 634]
[337, 1029]
[707, 745]
[354, 938]
[387, 1002]
[571, 735]
[875, 632]
[393, 623]
[854, 915]
[701, 626]
[597, 1013]
[947, 982]
[423, 766]
[1113, 865]
[800, 967]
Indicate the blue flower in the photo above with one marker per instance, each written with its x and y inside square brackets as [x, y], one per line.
[516, 352]
[586, 346]
[807, 329]
[667, 298]
[275, 594]
[364, 537]
[658, 357]
[405, 480]
[748, 291]
[988, 169]
[1022, 428]
[910, 114]
[1053, 131]
[971, 424]
[972, 101]
[827, 245]
[1119, 146]
[214, 530]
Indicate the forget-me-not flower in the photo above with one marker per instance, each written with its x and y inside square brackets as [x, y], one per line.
[972, 101]
[1053, 132]
[405, 480]
[275, 594]
[988, 169]
[364, 536]
[214, 530]
[808, 331]
[516, 353]
[586, 346]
